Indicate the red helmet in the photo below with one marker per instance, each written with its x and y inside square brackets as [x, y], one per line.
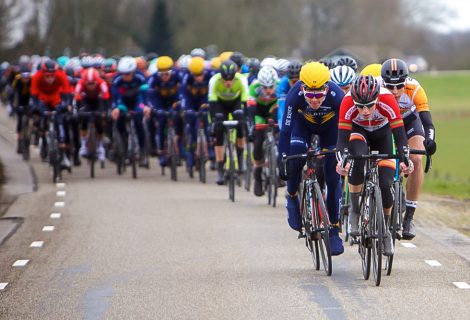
[91, 75]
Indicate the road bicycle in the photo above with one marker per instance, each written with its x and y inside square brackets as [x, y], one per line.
[315, 219]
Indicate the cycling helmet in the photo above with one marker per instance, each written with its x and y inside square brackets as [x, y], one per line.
[126, 64]
[372, 69]
[25, 71]
[87, 62]
[238, 58]
[183, 61]
[91, 75]
[164, 63]
[215, 63]
[62, 61]
[49, 66]
[394, 71]
[269, 61]
[328, 62]
[109, 65]
[225, 55]
[282, 66]
[314, 75]
[196, 65]
[4, 65]
[253, 65]
[150, 56]
[267, 76]
[228, 69]
[365, 89]
[24, 59]
[198, 52]
[342, 75]
[347, 61]
[98, 62]
[293, 69]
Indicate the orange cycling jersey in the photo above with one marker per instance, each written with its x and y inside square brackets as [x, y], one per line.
[50, 93]
[414, 98]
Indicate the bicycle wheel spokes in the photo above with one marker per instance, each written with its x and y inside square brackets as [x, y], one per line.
[321, 224]
[376, 224]
[364, 247]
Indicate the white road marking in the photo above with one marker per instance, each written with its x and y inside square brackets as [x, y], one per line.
[407, 245]
[59, 204]
[462, 285]
[48, 228]
[55, 215]
[61, 193]
[60, 185]
[433, 263]
[37, 244]
[20, 263]
[3, 285]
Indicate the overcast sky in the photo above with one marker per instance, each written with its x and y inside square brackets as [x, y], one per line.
[462, 19]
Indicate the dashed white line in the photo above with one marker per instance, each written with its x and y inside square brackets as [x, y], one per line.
[37, 244]
[60, 185]
[59, 204]
[3, 285]
[407, 245]
[55, 215]
[61, 193]
[433, 263]
[48, 228]
[20, 263]
[462, 285]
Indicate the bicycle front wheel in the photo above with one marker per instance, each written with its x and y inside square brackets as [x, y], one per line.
[392, 224]
[377, 233]
[321, 223]
[310, 235]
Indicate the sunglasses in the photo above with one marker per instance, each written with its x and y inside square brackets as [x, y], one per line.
[392, 86]
[126, 74]
[25, 74]
[267, 87]
[49, 75]
[314, 94]
[366, 105]
[164, 73]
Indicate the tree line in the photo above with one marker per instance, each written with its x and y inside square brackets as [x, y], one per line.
[306, 29]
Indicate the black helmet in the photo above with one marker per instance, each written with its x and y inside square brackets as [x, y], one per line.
[365, 89]
[228, 68]
[253, 65]
[347, 61]
[49, 66]
[394, 71]
[327, 61]
[237, 57]
[293, 69]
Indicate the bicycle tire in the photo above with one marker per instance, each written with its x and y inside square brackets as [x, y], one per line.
[202, 147]
[321, 217]
[306, 210]
[172, 156]
[274, 175]
[377, 224]
[231, 173]
[364, 248]
[118, 151]
[26, 141]
[392, 224]
[91, 146]
[249, 165]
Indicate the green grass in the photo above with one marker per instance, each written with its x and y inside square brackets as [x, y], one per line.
[449, 100]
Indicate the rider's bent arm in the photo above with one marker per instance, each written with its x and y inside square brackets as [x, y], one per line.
[289, 118]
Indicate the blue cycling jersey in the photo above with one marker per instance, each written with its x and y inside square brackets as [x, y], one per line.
[162, 94]
[194, 93]
[129, 93]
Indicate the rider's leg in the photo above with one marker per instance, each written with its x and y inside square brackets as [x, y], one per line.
[258, 161]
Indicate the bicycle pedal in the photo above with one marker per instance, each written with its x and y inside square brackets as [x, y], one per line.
[301, 235]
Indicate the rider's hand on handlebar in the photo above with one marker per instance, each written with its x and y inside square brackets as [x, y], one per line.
[147, 111]
[407, 169]
[342, 171]
[115, 114]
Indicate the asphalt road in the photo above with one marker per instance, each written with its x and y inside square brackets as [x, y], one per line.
[155, 249]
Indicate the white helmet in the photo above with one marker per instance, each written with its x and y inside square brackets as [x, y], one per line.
[126, 64]
[342, 75]
[198, 52]
[282, 65]
[268, 62]
[183, 61]
[267, 76]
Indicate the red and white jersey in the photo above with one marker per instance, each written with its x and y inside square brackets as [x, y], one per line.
[386, 112]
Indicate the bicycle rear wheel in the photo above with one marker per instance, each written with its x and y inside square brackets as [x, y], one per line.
[249, 165]
[321, 223]
[231, 173]
[392, 224]
[26, 137]
[202, 158]
[376, 224]
[273, 173]
[172, 155]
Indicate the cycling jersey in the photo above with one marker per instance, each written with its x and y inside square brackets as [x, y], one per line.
[283, 88]
[129, 93]
[50, 93]
[414, 98]
[263, 105]
[218, 91]
[100, 90]
[163, 94]
[22, 90]
[194, 93]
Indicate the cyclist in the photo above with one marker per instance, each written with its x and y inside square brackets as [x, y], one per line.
[347, 61]
[253, 69]
[50, 90]
[343, 76]
[369, 116]
[194, 89]
[419, 128]
[164, 94]
[21, 87]
[90, 93]
[286, 82]
[282, 67]
[227, 94]
[312, 107]
[262, 106]
[129, 94]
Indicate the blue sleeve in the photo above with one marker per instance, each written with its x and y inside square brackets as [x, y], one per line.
[115, 92]
[185, 96]
[292, 104]
[336, 95]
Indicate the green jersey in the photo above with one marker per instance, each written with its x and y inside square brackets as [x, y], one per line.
[218, 91]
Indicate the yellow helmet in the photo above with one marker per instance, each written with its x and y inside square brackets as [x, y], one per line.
[314, 75]
[164, 63]
[215, 63]
[225, 55]
[196, 65]
[373, 69]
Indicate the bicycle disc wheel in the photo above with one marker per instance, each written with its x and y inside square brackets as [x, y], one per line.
[322, 223]
[376, 223]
